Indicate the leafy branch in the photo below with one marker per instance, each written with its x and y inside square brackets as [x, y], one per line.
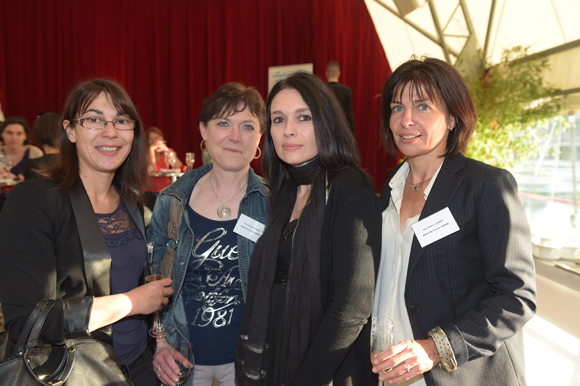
[511, 98]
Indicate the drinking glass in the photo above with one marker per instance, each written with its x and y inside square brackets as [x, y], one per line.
[381, 337]
[182, 354]
[170, 158]
[189, 160]
[154, 271]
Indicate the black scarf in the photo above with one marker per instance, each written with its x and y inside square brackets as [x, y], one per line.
[303, 309]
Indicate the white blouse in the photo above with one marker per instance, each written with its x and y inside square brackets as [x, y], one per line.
[395, 252]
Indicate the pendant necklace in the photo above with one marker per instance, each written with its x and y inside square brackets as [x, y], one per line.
[223, 211]
[416, 188]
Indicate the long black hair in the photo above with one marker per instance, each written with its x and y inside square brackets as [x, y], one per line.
[335, 140]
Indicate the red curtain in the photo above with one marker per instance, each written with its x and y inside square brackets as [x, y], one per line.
[170, 55]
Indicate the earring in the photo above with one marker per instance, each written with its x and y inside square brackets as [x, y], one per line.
[259, 153]
[201, 146]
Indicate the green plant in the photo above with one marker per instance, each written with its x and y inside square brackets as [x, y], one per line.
[511, 98]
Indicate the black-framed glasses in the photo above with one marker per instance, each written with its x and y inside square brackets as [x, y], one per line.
[94, 123]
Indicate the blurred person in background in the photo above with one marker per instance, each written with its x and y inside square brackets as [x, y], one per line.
[46, 131]
[15, 134]
[156, 156]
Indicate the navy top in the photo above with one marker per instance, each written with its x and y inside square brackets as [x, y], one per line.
[128, 255]
[212, 291]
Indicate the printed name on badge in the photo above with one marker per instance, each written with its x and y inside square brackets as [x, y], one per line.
[249, 228]
[435, 227]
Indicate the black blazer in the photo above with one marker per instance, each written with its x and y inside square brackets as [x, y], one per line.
[344, 96]
[42, 257]
[477, 284]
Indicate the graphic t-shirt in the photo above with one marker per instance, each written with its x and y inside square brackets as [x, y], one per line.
[212, 291]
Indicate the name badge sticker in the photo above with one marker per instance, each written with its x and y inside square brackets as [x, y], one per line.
[249, 228]
[435, 227]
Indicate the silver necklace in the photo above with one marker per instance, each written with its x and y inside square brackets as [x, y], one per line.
[416, 188]
[223, 211]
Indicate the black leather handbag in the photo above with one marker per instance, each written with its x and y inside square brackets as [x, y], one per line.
[82, 361]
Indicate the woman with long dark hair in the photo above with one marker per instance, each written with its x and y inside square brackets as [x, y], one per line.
[93, 271]
[312, 275]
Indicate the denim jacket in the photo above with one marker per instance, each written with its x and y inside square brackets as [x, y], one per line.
[254, 204]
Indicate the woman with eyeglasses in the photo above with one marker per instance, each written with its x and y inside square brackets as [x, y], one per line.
[89, 199]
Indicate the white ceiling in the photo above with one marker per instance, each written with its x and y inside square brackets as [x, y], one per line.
[540, 24]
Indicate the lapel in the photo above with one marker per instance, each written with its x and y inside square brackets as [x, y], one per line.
[441, 195]
[95, 252]
[136, 214]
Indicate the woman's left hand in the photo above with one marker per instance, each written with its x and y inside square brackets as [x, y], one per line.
[406, 359]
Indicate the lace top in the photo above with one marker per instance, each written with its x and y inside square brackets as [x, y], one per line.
[128, 254]
[118, 227]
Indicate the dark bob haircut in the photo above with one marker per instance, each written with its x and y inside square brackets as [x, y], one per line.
[47, 129]
[131, 176]
[17, 121]
[335, 140]
[443, 84]
[232, 98]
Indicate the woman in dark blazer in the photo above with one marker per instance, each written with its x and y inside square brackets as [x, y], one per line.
[93, 190]
[457, 274]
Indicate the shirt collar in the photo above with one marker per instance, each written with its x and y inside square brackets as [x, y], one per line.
[399, 180]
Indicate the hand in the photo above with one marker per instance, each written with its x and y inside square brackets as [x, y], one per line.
[150, 297]
[160, 146]
[419, 356]
[164, 362]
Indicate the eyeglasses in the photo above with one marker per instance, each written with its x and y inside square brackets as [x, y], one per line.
[94, 123]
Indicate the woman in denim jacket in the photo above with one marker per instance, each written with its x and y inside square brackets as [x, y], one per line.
[211, 257]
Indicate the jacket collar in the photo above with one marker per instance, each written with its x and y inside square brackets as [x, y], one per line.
[443, 191]
[181, 189]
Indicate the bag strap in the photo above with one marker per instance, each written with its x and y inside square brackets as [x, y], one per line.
[96, 254]
[175, 216]
[33, 337]
[30, 322]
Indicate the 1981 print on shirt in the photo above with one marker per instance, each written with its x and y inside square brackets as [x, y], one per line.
[212, 291]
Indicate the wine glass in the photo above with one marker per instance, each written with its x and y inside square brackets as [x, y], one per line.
[154, 271]
[170, 159]
[189, 160]
[182, 354]
[381, 336]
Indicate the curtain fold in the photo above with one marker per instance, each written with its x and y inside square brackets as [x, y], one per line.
[171, 55]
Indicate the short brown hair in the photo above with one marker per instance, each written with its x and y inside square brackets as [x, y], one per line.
[17, 121]
[131, 176]
[442, 83]
[332, 68]
[232, 98]
[47, 129]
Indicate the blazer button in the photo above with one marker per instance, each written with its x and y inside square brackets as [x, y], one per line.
[414, 309]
